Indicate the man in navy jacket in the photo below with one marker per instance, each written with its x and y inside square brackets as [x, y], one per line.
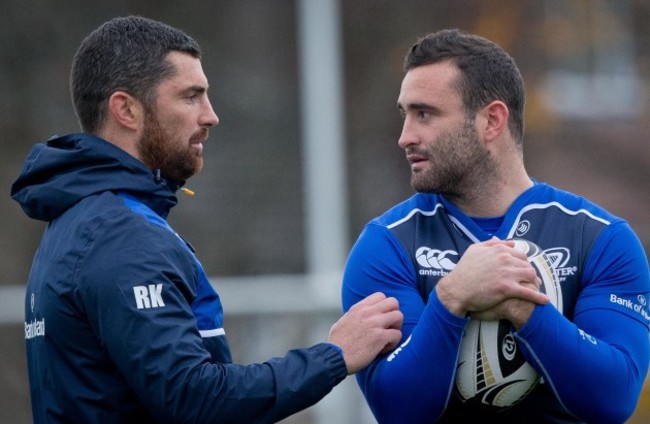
[121, 323]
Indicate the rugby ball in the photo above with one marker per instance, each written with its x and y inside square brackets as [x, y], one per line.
[491, 369]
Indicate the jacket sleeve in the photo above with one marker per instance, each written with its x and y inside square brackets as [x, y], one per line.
[597, 364]
[137, 288]
[413, 383]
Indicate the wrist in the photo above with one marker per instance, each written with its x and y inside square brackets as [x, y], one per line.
[336, 347]
[522, 315]
[445, 296]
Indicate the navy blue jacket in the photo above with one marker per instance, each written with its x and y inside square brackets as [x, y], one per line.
[121, 323]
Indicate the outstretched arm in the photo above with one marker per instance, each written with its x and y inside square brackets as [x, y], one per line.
[370, 327]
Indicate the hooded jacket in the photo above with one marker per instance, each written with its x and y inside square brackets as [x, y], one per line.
[121, 323]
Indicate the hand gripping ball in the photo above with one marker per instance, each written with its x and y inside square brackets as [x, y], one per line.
[491, 368]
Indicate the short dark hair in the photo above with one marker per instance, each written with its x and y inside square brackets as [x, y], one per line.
[487, 72]
[127, 54]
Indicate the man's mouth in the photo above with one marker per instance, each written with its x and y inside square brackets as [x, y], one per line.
[416, 160]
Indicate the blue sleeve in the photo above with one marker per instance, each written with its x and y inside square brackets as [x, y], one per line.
[156, 344]
[596, 365]
[208, 311]
[413, 383]
[206, 304]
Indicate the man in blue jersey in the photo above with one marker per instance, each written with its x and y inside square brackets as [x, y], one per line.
[121, 323]
[445, 254]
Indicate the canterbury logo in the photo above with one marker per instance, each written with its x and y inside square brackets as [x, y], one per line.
[443, 260]
[150, 296]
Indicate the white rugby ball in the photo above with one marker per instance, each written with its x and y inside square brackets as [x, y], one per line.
[491, 368]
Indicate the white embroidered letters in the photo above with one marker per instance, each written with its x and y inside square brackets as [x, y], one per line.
[148, 296]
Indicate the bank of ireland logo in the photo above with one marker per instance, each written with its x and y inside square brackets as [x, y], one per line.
[440, 260]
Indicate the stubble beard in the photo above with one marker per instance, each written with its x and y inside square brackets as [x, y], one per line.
[458, 163]
[176, 160]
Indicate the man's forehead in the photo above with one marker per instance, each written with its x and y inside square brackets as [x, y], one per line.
[424, 83]
[188, 70]
[434, 75]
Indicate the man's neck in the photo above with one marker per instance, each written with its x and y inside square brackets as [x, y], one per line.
[492, 198]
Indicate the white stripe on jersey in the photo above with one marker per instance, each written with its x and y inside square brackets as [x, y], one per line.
[213, 333]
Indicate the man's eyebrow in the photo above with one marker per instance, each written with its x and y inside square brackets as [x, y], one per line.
[416, 106]
[195, 89]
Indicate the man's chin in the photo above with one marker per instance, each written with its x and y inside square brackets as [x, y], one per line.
[422, 187]
[419, 185]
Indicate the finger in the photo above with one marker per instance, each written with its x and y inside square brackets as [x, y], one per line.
[530, 295]
[519, 255]
[387, 304]
[534, 285]
[371, 299]
[393, 319]
[495, 241]
[510, 243]
[384, 320]
[375, 298]
[394, 337]
[508, 254]
[526, 274]
[538, 281]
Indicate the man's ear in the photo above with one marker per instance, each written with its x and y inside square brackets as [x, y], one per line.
[495, 119]
[126, 110]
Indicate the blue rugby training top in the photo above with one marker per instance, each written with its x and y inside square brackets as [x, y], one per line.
[592, 350]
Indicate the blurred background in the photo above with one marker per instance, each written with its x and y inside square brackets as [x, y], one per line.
[274, 216]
